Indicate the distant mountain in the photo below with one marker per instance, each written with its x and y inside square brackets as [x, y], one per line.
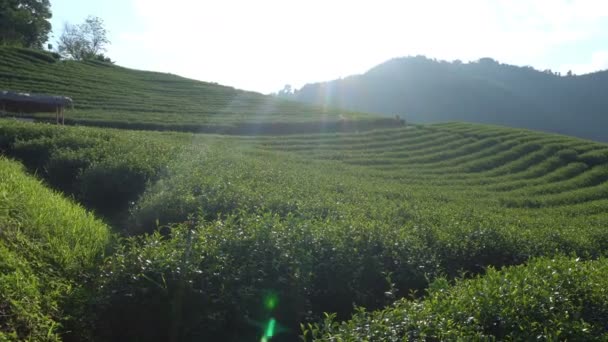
[425, 90]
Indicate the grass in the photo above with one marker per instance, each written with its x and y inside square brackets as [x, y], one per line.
[106, 95]
[214, 224]
[47, 246]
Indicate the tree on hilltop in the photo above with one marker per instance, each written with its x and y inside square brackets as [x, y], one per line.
[85, 41]
[25, 22]
[286, 91]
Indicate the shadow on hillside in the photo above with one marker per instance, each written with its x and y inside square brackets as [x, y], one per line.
[248, 128]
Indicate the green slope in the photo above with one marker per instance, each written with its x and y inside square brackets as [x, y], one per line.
[322, 221]
[110, 95]
[48, 247]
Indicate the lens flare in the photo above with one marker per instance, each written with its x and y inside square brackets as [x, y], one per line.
[269, 333]
[271, 301]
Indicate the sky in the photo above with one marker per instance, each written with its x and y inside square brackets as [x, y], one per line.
[263, 45]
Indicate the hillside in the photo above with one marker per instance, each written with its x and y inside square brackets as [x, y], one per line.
[244, 238]
[109, 95]
[425, 91]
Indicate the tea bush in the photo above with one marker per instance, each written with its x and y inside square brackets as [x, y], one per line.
[323, 223]
[547, 299]
[105, 170]
[106, 95]
[220, 272]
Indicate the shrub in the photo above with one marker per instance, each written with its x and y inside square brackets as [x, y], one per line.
[33, 153]
[548, 299]
[105, 171]
[197, 285]
[220, 273]
[64, 169]
[111, 185]
[596, 157]
[291, 218]
[45, 56]
[567, 155]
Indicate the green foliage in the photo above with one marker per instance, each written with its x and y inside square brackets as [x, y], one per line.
[25, 22]
[25, 309]
[221, 271]
[204, 271]
[244, 238]
[48, 246]
[69, 237]
[100, 168]
[84, 41]
[325, 222]
[596, 157]
[110, 185]
[38, 55]
[110, 96]
[547, 299]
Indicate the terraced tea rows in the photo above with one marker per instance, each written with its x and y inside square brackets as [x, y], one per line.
[109, 95]
[518, 168]
[319, 222]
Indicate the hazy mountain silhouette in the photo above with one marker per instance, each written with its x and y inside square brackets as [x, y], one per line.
[424, 90]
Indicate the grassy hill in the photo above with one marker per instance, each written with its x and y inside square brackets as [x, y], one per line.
[109, 95]
[236, 237]
[422, 90]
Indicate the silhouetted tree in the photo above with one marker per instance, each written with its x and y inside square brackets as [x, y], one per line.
[85, 41]
[286, 91]
[487, 60]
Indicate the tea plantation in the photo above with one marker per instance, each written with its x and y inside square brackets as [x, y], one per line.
[441, 232]
[111, 96]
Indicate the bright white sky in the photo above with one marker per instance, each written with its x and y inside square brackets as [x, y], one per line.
[263, 45]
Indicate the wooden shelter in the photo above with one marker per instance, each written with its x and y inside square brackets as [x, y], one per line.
[22, 103]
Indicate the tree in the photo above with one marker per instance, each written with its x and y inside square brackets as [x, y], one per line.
[286, 90]
[25, 22]
[84, 41]
[487, 61]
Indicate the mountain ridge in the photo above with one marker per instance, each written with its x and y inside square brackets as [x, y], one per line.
[424, 90]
